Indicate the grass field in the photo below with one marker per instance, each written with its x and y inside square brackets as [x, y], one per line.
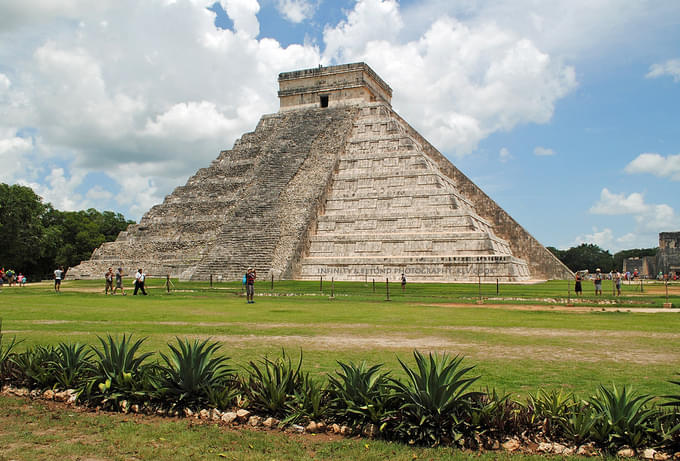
[521, 339]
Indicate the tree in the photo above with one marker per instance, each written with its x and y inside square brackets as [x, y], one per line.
[587, 256]
[36, 237]
[21, 227]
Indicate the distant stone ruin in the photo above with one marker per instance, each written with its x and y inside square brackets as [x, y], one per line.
[666, 260]
[336, 184]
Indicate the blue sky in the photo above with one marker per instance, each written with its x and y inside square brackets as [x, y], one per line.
[564, 112]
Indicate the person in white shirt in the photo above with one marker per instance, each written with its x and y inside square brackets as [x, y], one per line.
[139, 282]
[58, 275]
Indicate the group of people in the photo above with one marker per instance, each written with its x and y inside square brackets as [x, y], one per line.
[11, 278]
[110, 276]
[616, 277]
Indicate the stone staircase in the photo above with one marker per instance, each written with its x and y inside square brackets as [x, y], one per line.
[253, 230]
[390, 210]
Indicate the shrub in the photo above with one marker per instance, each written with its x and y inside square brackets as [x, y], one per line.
[493, 415]
[434, 401]
[6, 356]
[622, 418]
[193, 374]
[119, 372]
[361, 395]
[272, 384]
[32, 367]
[579, 423]
[71, 366]
[308, 403]
[551, 409]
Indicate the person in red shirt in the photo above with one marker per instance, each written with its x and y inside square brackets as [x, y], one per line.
[251, 275]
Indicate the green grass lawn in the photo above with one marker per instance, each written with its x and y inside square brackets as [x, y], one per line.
[514, 348]
[36, 431]
[527, 340]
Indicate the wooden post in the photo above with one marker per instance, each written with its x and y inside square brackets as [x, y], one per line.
[497, 288]
[167, 282]
[373, 285]
[641, 288]
[272, 281]
[321, 283]
[568, 292]
[387, 287]
[210, 280]
[332, 287]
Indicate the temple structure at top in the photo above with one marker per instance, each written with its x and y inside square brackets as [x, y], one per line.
[335, 184]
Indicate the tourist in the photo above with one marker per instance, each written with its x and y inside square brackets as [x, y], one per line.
[21, 279]
[251, 275]
[140, 277]
[119, 281]
[403, 282]
[10, 276]
[58, 276]
[109, 281]
[617, 283]
[598, 281]
[577, 284]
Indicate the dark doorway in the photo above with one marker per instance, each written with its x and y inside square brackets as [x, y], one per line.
[324, 101]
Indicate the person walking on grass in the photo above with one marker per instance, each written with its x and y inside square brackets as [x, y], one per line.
[109, 281]
[617, 282]
[598, 281]
[119, 281]
[403, 282]
[140, 276]
[251, 275]
[58, 276]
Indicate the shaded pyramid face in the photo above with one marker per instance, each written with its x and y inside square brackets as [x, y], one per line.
[335, 184]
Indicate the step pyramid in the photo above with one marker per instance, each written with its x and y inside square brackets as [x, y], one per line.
[335, 185]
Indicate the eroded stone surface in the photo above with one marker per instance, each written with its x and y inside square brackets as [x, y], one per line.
[349, 191]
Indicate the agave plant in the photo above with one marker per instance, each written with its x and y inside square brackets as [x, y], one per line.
[673, 399]
[434, 399]
[624, 418]
[309, 402]
[666, 430]
[551, 410]
[32, 367]
[193, 374]
[5, 356]
[119, 372]
[361, 395]
[494, 415]
[71, 366]
[272, 384]
[579, 424]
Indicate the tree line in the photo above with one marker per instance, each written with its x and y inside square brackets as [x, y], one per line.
[590, 256]
[36, 237]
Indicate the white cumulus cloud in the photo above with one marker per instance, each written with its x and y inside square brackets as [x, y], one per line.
[296, 11]
[457, 82]
[617, 204]
[649, 219]
[543, 151]
[668, 68]
[657, 165]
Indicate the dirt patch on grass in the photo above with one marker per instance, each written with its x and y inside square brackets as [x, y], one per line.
[479, 350]
[557, 308]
